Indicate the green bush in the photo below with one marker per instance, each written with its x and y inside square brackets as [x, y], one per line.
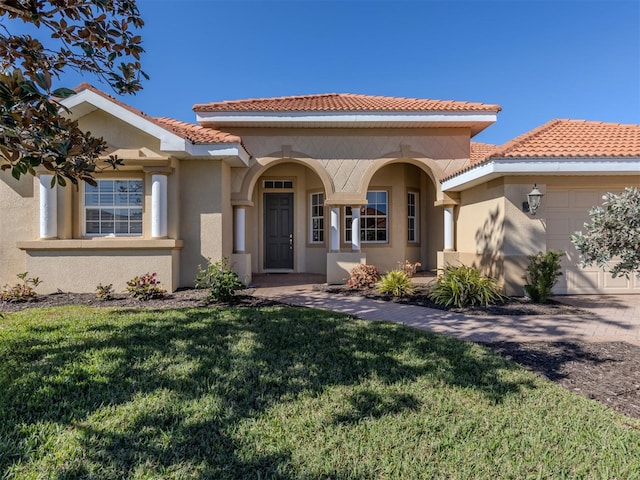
[461, 286]
[396, 283]
[145, 287]
[20, 292]
[542, 274]
[219, 279]
[363, 276]
[104, 292]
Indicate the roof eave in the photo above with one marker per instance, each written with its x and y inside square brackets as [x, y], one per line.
[499, 167]
[476, 121]
[87, 101]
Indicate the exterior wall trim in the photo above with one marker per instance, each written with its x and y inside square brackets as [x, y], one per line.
[102, 244]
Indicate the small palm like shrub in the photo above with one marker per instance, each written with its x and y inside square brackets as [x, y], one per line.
[219, 279]
[461, 286]
[23, 291]
[145, 287]
[542, 274]
[396, 283]
[363, 276]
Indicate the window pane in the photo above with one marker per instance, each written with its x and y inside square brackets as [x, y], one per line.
[106, 199]
[122, 227]
[93, 215]
[136, 228]
[106, 186]
[93, 227]
[135, 214]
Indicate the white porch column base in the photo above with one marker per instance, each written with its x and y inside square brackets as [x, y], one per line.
[158, 205]
[48, 207]
[241, 264]
[339, 266]
[448, 228]
[240, 228]
[335, 229]
[355, 228]
[447, 258]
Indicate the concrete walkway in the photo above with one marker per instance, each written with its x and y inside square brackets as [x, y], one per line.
[612, 318]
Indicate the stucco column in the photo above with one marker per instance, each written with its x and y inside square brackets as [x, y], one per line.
[355, 228]
[48, 207]
[158, 205]
[240, 228]
[335, 229]
[448, 228]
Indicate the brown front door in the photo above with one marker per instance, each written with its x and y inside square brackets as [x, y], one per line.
[278, 230]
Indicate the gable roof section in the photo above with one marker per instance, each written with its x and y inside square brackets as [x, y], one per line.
[557, 147]
[347, 110]
[175, 137]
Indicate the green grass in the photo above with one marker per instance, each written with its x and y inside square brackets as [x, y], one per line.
[283, 393]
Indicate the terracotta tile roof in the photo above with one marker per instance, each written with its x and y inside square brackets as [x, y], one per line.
[196, 133]
[480, 151]
[343, 102]
[575, 138]
[188, 131]
[563, 138]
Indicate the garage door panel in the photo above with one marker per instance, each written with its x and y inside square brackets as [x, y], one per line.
[567, 212]
[618, 282]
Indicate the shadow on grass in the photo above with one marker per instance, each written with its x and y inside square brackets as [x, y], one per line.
[183, 380]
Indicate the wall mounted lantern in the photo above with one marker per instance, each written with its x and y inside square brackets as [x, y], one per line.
[534, 197]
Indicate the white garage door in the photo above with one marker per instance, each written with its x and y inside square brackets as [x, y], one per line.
[567, 212]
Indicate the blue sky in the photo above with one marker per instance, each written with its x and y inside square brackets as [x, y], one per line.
[539, 60]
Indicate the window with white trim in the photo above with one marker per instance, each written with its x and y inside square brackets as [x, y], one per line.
[374, 219]
[412, 217]
[113, 207]
[316, 235]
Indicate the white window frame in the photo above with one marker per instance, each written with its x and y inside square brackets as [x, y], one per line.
[363, 220]
[415, 217]
[316, 208]
[86, 207]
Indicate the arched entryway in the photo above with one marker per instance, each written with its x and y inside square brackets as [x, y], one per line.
[284, 216]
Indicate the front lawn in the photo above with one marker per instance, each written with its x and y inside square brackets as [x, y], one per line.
[283, 393]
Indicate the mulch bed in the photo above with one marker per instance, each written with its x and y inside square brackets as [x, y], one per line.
[606, 372]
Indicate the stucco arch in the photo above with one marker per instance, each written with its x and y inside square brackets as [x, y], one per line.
[427, 165]
[263, 164]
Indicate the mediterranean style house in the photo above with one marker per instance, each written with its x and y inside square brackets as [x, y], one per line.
[315, 184]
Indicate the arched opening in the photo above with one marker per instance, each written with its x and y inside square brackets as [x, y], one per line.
[286, 227]
[401, 221]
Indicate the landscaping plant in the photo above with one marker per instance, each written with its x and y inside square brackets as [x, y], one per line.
[613, 234]
[542, 274]
[363, 276]
[462, 285]
[20, 292]
[145, 287]
[396, 283]
[219, 279]
[409, 268]
[104, 292]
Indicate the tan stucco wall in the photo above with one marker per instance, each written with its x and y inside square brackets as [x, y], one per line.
[18, 220]
[206, 216]
[350, 156]
[82, 270]
[116, 133]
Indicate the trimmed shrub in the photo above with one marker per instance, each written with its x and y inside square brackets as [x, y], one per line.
[219, 279]
[542, 274]
[396, 283]
[461, 286]
[145, 287]
[363, 276]
[20, 292]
